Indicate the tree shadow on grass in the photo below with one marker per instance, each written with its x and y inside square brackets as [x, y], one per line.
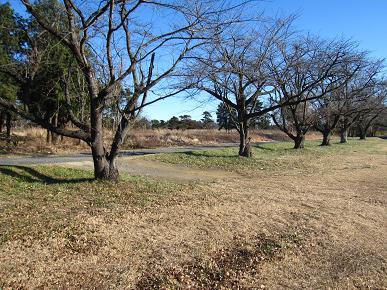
[264, 148]
[29, 174]
[203, 154]
[273, 149]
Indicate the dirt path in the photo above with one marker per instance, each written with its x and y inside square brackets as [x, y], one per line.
[129, 163]
[156, 169]
[86, 156]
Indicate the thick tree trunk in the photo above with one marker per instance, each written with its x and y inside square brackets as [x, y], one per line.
[104, 168]
[104, 165]
[343, 135]
[299, 141]
[363, 134]
[244, 141]
[326, 138]
[8, 126]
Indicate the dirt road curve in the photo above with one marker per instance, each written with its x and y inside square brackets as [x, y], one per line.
[134, 166]
[50, 159]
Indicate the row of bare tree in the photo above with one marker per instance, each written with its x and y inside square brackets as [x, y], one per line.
[303, 81]
[124, 55]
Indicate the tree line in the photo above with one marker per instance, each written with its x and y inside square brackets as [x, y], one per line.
[94, 64]
[183, 122]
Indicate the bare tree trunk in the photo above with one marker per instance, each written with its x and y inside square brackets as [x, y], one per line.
[48, 137]
[63, 125]
[244, 141]
[344, 135]
[299, 141]
[326, 138]
[104, 165]
[9, 126]
[54, 137]
[363, 134]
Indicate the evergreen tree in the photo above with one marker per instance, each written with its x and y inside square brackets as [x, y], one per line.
[10, 43]
[207, 120]
[173, 123]
[224, 118]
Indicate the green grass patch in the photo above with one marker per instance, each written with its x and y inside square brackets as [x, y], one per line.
[271, 156]
[38, 201]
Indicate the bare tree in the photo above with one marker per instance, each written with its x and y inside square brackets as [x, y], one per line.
[358, 93]
[333, 109]
[127, 46]
[234, 69]
[298, 71]
[371, 108]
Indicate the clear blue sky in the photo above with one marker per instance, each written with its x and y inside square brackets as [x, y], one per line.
[363, 21]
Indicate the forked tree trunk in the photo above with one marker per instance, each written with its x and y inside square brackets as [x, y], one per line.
[299, 141]
[343, 135]
[244, 141]
[326, 138]
[104, 168]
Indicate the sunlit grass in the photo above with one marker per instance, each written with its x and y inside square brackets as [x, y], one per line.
[270, 156]
[36, 201]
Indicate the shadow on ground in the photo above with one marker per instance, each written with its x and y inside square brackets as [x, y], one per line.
[28, 174]
[203, 154]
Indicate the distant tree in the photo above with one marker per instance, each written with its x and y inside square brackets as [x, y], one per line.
[372, 109]
[163, 124]
[142, 123]
[237, 70]
[359, 95]
[155, 124]
[379, 126]
[304, 74]
[207, 117]
[262, 122]
[173, 123]
[185, 118]
[207, 120]
[224, 118]
[358, 79]
[186, 122]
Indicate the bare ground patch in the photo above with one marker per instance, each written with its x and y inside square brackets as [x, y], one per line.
[160, 170]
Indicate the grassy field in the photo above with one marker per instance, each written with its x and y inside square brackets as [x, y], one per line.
[272, 156]
[310, 219]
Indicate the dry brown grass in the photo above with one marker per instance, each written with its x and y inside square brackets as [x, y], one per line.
[318, 229]
[33, 140]
[165, 137]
